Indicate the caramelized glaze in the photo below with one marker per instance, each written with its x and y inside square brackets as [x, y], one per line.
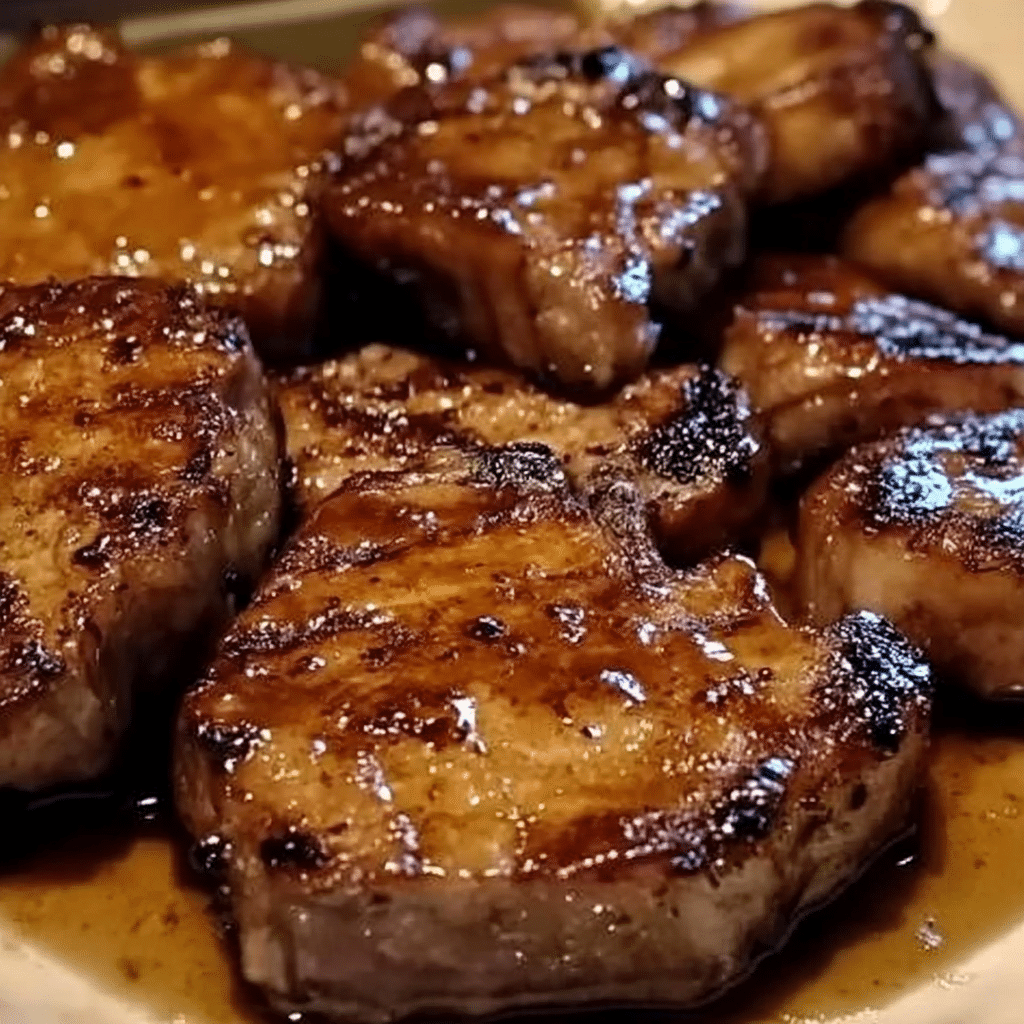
[685, 436]
[538, 215]
[201, 166]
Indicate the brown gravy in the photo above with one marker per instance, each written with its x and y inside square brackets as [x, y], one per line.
[125, 910]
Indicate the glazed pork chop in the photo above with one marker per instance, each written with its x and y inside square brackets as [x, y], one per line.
[140, 489]
[845, 92]
[685, 437]
[927, 528]
[952, 229]
[474, 748]
[830, 359]
[537, 215]
[415, 48]
[203, 166]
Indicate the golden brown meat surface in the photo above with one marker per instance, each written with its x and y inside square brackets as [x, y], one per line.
[829, 360]
[927, 528]
[538, 214]
[204, 166]
[952, 229]
[139, 488]
[474, 748]
[845, 92]
[685, 437]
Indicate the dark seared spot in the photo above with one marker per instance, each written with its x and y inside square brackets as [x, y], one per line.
[709, 439]
[198, 466]
[859, 797]
[750, 810]
[524, 466]
[124, 351]
[878, 682]
[230, 743]
[95, 556]
[486, 628]
[32, 658]
[133, 181]
[209, 856]
[293, 849]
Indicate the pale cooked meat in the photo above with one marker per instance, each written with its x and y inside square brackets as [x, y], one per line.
[414, 47]
[927, 528]
[205, 166]
[538, 214]
[139, 490]
[474, 748]
[685, 436]
[833, 360]
[845, 92]
[952, 229]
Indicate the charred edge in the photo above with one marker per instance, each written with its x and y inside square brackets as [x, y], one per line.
[613, 64]
[228, 743]
[318, 553]
[526, 466]
[294, 849]
[709, 438]
[32, 658]
[877, 680]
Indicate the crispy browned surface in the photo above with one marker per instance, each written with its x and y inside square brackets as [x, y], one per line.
[468, 724]
[685, 437]
[927, 528]
[413, 47]
[952, 230]
[844, 92]
[139, 486]
[831, 360]
[203, 166]
[539, 213]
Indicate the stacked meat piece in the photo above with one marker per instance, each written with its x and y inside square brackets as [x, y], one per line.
[511, 720]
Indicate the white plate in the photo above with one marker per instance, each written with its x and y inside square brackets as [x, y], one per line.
[37, 987]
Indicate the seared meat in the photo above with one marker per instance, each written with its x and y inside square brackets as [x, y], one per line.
[203, 166]
[927, 527]
[977, 117]
[413, 47]
[685, 437]
[829, 365]
[539, 213]
[139, 489]
[473, 747]
[952, 230]
[845, 92]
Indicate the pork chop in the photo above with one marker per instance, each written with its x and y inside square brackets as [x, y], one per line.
[685, 436]
[952, 229]
[474, 748]
[413, 47]
[845, 92]
[832, 360]
[139, 491]
[927, 528]
[204, 166]
[538, 214]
